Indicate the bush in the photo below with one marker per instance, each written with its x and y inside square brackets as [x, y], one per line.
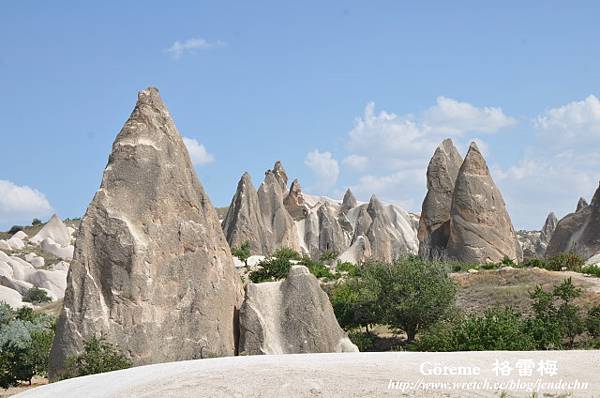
[593, 321]
[287, 254]
[316, 268]
[25, 341]
[349, 268]
[413, 293]
[593, 270]
[36, 221]
[14, 229]
[98, 356]
[497, 329]
[328, 255]
[364, 341]
[568, 261]
[242, 252]
[36, 295]
[271, 269]
[534, 263]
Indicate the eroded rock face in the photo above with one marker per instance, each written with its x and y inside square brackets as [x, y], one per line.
[293, 316]
[279, 224]
[434, 223]
[534, 243]
[581, 203]
[294, 202]
[480, 228]
[348, 202]
[54, 229]
[152, 271]
[578, 232]
[243, 221]
[548, 229]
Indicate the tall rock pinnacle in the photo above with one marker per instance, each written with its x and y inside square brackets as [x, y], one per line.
[480, 228]
[434, 225]
[152, 272]
[243, 221]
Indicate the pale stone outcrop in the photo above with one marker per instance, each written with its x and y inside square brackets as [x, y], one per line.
[434, 223]
[581, 203]
[152, 271]
[54, 229]
[348, 202]
[292, 316]
[480, 228]
[534, 243]
[244, 222]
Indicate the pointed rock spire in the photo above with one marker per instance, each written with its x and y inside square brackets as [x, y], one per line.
[433, 230]
[152, 268]
[581, 203]
[280, 175]
[54, 229]
[548, 228]
[349, 201]
[294, 201]
[243, 221]
[480, 228]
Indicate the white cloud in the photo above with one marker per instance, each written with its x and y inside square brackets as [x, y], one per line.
[397, 148]
[356, 162]
[575, 122]
[19, 204]
[190, 46]
[324, 167]
[450, 116]
[198, 152]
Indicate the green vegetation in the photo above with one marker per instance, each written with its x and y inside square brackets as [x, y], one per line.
[35, 295]
[348, 268]
[242, 252]
[36, 221]
[14, 229]
[277, 266]
[593, 321]
[593, 270]
[25, 342]
[98, 356]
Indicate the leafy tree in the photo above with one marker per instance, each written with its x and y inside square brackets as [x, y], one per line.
[98, 356]
[413, 293]
[355, 304]
[36, 221]
[14, 229]
[242, 252]
[317, 268]
[36, 295]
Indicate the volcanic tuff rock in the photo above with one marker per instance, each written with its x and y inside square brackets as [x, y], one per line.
[294, 201]
[578, 232]
[548, 229]
[279, 225]
[152, 271]
[581, 203]
[292, 316]
[434, 223]
[348, 202]
[54, 229]
[534, 243]
[480, 228]
[244, 221]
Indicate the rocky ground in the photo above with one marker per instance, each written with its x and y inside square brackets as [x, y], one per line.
[392, 374]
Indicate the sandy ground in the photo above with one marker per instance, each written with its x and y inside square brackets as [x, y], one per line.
[391, 374]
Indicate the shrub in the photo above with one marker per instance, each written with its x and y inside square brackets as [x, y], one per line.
[569, 261]
[98, 356]
[25, 341]
[36, 221]
[35, 295]
[364, 341]
[534, 263]
[328, 255]
[349, 268]
[316, 268]
[593, 321]
[287, 254]
[413, 293]
[14, 229]
[593, 270]
[242, 252]
[271, 269]
[496, 329]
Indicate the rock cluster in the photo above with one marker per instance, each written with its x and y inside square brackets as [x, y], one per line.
[315, 225]
[535, 243]
[152, 271]
[464, 216]
[578, 232]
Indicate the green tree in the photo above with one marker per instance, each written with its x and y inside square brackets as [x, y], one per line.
[593, 321]
[98, 356]
[413, 293]
[242, 252]
[355, 304]
[36, 221]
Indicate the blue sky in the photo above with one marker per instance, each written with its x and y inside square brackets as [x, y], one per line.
[253, 82]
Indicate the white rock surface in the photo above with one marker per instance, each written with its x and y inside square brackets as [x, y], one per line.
[357, 375]
[35, 260]
[12, 297]
[54, 229]
[64, 252]
[4, 245]
[54, 281]
[15, 243]
[21, 235]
